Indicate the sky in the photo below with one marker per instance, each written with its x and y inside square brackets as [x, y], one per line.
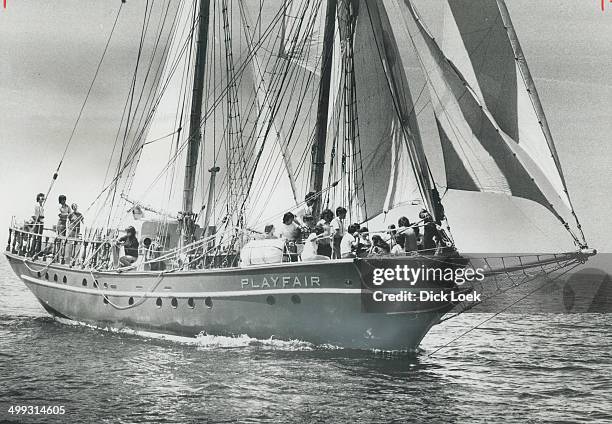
[49, 51]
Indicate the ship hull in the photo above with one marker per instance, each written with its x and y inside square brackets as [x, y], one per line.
[317, 302]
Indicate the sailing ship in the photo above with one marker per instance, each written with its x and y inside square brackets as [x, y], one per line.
[288, 97]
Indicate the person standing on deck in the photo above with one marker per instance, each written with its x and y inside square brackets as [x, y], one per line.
[75, 219]
[64, 211]
[74, 228]
[290, 232]
[38, 220]
[338, 231]
[324, 247]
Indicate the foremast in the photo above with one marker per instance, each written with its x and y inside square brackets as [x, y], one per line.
[318, 146]
[195, 127]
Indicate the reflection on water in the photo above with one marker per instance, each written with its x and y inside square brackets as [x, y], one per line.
[516, 367]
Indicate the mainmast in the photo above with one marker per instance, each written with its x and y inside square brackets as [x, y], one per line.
[318, 146]
[195, 132]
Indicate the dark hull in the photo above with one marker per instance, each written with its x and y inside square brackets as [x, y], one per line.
[318, 302]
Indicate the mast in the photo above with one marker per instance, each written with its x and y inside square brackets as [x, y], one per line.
[195, 132]
[318, 147]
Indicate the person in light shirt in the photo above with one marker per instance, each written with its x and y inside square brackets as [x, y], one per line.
[349, 242]
[38, 220]
[290, 232]
[338, 231]
[311, 246]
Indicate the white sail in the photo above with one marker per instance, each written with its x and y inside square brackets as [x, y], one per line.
[477, 41]
[386, 126]
[479, 154]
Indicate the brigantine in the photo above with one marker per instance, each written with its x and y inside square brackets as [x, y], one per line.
[274, 83]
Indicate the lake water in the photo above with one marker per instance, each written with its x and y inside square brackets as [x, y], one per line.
[515, 368]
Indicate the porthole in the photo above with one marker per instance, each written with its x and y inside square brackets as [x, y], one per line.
[191, 303]
[84, 282]
[105, 285]
[55, 277]
[38, 274]
[46, 276]
[174, 302]
[270, 300]
[208, 302]
[105, 300]
[131, 301]
[296, 299]
[65, 280]
[95, 284]
[158, 302]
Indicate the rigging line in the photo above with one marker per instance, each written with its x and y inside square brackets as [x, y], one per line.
[525, 280]
[269, 93]
[208, 112]
[150, 103]
[110, 36]
[160, 30]
[162, 91]
[503, 310]
[133, 87]
[136, 140]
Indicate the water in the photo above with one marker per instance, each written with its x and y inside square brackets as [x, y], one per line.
[516, 368]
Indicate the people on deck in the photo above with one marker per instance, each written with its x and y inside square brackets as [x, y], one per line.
[64, 211]
[130, 247]
[337, 231]
[324, 246]
[348, 244]
[290, 232]
[75, 219]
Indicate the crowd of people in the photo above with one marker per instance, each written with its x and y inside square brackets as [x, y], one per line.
[331, 238]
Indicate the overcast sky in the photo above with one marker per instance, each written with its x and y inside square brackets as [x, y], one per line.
[49, 51]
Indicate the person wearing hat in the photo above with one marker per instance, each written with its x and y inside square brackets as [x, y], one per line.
[130, 246]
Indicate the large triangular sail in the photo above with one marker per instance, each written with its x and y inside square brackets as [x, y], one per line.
[492, 138]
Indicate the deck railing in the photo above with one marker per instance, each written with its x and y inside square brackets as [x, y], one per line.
[71, 251]
[99, 253]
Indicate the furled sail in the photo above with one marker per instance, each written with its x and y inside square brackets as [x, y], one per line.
[480, 151]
